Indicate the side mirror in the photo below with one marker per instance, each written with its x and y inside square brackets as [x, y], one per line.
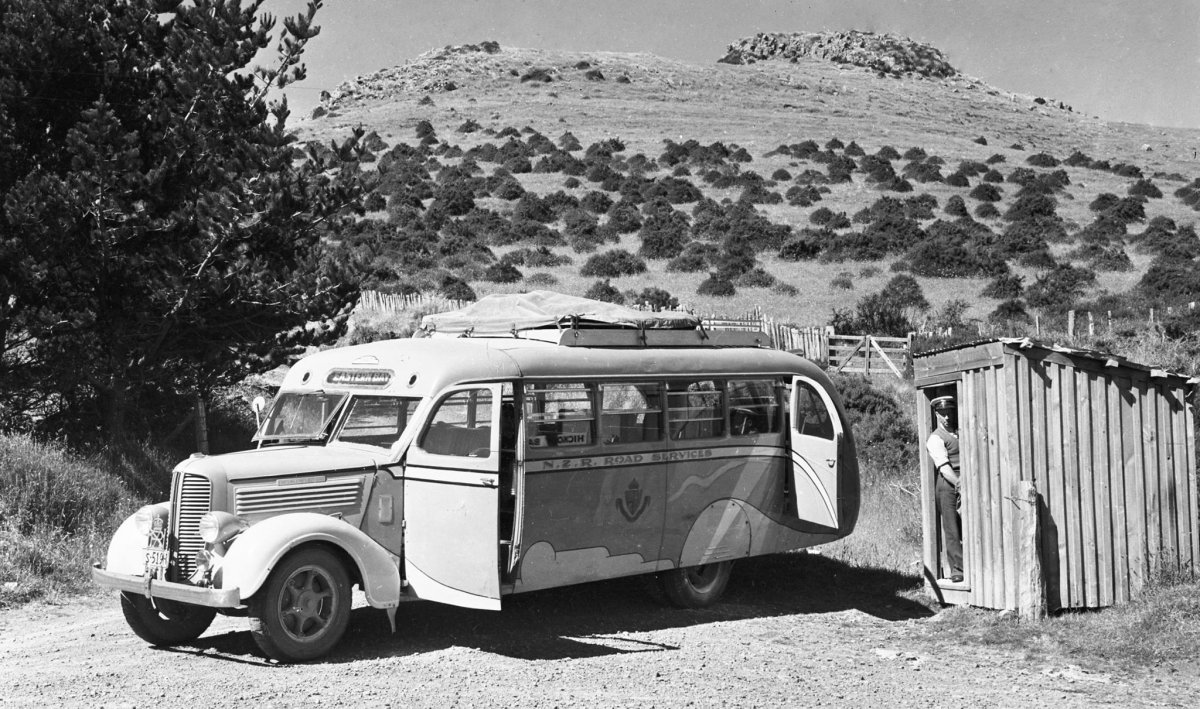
[258, 404]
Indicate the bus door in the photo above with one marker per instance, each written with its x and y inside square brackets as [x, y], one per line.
[451, 501]
[816, 435]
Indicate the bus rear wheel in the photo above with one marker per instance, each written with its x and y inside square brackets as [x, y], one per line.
[165, 623]
[304, 608]
[696, 586]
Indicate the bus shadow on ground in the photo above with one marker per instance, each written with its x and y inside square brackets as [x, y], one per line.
[596, 619]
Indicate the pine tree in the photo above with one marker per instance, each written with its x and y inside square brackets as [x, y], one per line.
[160, 232]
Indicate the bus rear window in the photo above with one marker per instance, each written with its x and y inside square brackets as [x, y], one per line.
[558, 415]
[753, 407]
[695, 409]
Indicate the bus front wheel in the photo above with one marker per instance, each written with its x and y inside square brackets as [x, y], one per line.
[304, 608]
[165, 623]
[696, 586]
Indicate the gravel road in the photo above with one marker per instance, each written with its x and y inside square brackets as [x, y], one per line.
[793, 630]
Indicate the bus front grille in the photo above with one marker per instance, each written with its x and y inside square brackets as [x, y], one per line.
[193, 499]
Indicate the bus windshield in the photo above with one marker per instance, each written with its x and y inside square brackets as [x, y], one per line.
[300, 416]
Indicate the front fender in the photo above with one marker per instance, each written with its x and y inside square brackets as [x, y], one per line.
[255, 552]
[127, 548]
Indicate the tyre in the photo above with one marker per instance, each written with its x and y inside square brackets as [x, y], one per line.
[164, 622]
[304, 608]
[696, 586]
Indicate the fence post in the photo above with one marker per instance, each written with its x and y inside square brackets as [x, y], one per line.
[1091, 325]
[1031, 582]
[1070, 324]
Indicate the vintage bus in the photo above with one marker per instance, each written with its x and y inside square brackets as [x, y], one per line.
[495, 455]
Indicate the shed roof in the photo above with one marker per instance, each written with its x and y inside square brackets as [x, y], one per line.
[1032, 347]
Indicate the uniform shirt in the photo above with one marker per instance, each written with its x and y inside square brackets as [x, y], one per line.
[943, 448]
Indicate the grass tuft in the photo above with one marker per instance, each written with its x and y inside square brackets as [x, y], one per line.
[57, 512]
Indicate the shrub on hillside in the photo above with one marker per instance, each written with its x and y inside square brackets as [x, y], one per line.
[803, 195]
[922, 172]
[532, 208]
[1126, 211]
[1042, 160]
[1006, 286]
[906, 293]
[986, 192]
[872, 315]
[920, 207]
[887, 152]
[956, 207]
[717, 285]
[756, 277]
[914, 154]
[568, 141]
[1032, 206]
[605, 291]
[1057, 290]
[663, 235]
[801, 247]
[945, 258]
[1145, 188]
[957, 179]
[987, 210]
[993, 176]
[613, 264]
[624, 218]
[501, 272]
[694, 258]
[1170, 281]
[1102, 258]
[781, 175]
[883, 430]
[655, 299]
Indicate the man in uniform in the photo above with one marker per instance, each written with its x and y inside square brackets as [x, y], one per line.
[943, 451]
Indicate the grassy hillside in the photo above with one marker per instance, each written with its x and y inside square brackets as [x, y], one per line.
[483, 98]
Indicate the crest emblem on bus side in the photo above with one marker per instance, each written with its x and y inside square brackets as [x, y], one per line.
[633, 503]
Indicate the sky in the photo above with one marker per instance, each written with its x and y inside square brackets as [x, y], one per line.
[1121, 60]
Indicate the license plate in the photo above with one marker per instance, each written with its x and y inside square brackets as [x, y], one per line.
[156, 562]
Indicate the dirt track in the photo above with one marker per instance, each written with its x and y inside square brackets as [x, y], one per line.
[792, 631]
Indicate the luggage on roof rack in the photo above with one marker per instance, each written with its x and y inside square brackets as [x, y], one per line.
[580, 322]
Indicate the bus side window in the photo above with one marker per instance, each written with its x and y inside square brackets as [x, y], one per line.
[629, 413]
[811, 417]
[461, 425]
[558, 415]
[695, 409]
[753, 408]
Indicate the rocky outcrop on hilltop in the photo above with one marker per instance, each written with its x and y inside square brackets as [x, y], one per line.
[884, 53]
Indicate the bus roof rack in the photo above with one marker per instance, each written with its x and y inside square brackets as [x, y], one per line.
[580, 322]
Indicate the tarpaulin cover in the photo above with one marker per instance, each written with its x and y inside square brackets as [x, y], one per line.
[504, 313]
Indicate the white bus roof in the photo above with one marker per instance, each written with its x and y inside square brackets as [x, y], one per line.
[421, 367]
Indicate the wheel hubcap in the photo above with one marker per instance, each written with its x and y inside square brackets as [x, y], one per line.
[307, 603]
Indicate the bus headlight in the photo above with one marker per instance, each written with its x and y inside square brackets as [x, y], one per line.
[150, 518]
[220, 527]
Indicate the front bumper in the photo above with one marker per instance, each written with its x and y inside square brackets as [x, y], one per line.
[168, 590]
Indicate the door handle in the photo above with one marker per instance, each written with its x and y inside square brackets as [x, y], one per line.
[831, 462]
